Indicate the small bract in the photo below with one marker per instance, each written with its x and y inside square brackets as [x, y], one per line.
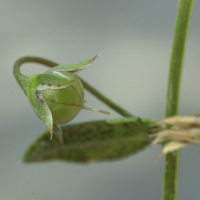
[184, 130]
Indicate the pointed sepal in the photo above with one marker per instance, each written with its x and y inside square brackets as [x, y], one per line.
[41, 108]
[53, 80]
[58, 132]
[73, 67]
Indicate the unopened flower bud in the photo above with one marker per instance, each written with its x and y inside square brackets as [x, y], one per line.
[56, 96]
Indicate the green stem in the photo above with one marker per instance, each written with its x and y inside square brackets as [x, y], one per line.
[22, 79]
[177, 56]
[22, 82]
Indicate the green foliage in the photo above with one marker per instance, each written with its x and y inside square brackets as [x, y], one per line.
[98, 140]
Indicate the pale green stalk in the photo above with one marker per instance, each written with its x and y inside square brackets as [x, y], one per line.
[174, 81]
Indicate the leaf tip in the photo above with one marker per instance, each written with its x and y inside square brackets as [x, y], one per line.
[94, 58]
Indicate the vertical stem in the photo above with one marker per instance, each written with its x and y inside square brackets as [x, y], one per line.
[177, 56]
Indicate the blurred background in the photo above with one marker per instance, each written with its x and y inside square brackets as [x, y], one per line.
[134, 40]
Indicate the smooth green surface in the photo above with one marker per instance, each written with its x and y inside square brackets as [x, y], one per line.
[93, 141]
[67, 102]
[174, 82]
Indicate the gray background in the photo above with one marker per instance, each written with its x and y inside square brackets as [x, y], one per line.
[134, 38]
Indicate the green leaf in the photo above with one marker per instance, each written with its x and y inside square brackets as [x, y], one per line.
[90, 141]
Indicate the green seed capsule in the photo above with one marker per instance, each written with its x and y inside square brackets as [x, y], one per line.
[65, 103]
